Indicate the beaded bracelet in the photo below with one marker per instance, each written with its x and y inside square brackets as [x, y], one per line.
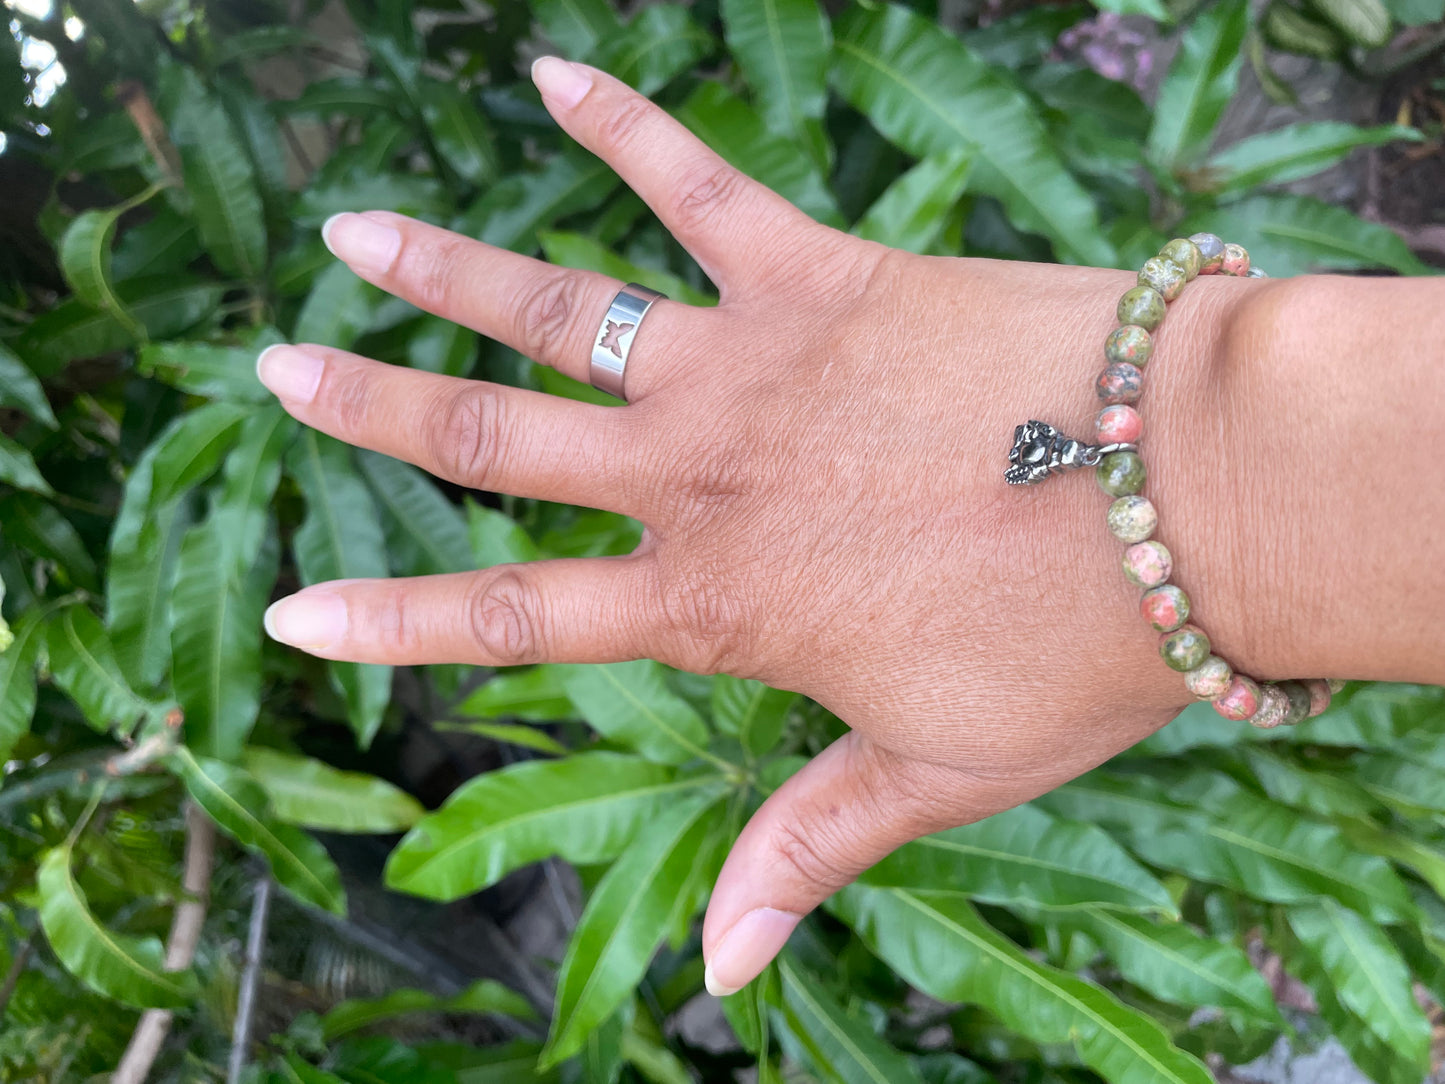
[1040, 450]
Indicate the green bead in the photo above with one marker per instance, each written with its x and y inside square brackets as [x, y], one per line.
[1184, 649]
[1186, 254]
[1163, 275]
[1121, 473]
[1143, 306]
[1129, 343]
[1299, 702]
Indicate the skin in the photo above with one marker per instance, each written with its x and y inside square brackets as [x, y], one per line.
[819, 465]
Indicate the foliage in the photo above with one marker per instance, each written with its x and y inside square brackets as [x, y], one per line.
[152, 498]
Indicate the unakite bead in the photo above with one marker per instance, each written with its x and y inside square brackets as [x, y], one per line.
[1211, 251]
[1256, 273]
[1184, 648]
[1211, 679]
[1129, 343]
[1319, 695]
[1143, 306]
[1335, 684]
[1236, 261]
[1186, 254]
[1165, 608]
[1118, 424]
[1120, 383]
[1120, 473]
[1240, 700]
[1148, 564]
[1132, 518]
[1299, 701]
[1273, 708]
[1163, 275]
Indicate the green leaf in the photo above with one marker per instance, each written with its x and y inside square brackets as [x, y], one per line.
[628, 916]
[535, 694]
[747, 1013]
[1175, 964]
[839, 1047]
[1200, 82]
[337, 310]
[782, 48]
[928, 93]
[165, 244]
[422, 521]
[939, 944]
[35, 526]
[216, 640]
[459, 131]
[1426, 861]
[729, 126]
[120, 966]
[191, 448]
[341, 539]
[1405, 785]
[242, 508]
[751, 712]
[658, 44]
[588, 254]
[219, 176]
[1025, 856]
[631, 703]
[238, 805]
[1295, 151]
[17, 682]
[509, 734]
[511, 212]
[209, 369]
[1293, 235]
[440, 346]
[911, 213]
[17, 468]
[496, 538]
[311, 794]
[575, 26]
[1152, 8]
[82, 662]
[84, 252]
[1326, 793]
[1416, 12]
[585, 809]
[20, 389]
[1367, 975]
[483, 996]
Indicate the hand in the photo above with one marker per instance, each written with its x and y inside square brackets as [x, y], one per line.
[819, 465]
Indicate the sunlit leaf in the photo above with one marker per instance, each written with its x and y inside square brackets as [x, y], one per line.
[1200, 83]
[782, 48]
[1298, 150]
[631, 703]
[311, 794]
[83, 663]
[912, 212]
[838, 1046]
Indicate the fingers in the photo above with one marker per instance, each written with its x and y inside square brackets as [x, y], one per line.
[551, 314]
[728, 221]
[844, 811]
[585, 610]
[486, 436]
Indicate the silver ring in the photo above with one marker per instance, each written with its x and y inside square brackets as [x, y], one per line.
[616, 335]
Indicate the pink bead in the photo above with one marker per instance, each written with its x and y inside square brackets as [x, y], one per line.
[1120, 383]
[1319, 695]
[1165, 607]
[1148, 564]
[1236, 261]
[1240, 700]
[1118, 424]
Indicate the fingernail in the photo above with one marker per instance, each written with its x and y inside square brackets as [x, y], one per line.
[363, 243]
[307, 620]
[289, 372]
[747, 948]
[562, 81]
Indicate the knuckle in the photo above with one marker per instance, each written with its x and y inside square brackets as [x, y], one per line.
[438, 273]
[467, 441]
[393, 626]
[704, 195]
[349, 394]
[708, 619]
[621, 124]
[545, 315]
[814, 850]
[506, 613]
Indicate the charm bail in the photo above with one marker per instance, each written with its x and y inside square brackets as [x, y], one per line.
[1040, 450]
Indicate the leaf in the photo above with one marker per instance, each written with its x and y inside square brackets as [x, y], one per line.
[1292, 235]
[838, 1046]
[729, 126]
[440, 346]
[82, 662]
[120, 966]
[511, 212]
[751, 711]
[219, 175]
[165, 244]
[1152, 8]
[585, 809]
[628, 916]
[1200, 82]
[191, 448]
[587, 254]
[1367, 975]
[535, 694]
[34, 526]
[496, 538]
[20, 389]
[459, 131]
[311, 794]
[17, 682]
[237, 804]
[1175, 964]
[575, 26]
[911, 213]
[423, 520]
[209, 369]
[1427, 862]
[337, 310]
[631, 703]
[1295, 151]
[1416, 12]
[939, 944]
[84, 252]
[483, 996]
[929, 94]
[1025, 856]
[216, 640]
[17, 468]
[340, 539]
[509, 734]
[658, 44]
[242, 508]
[747, 1013]
[782, 48]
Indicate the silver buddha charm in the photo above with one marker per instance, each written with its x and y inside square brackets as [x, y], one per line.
[1041, 450]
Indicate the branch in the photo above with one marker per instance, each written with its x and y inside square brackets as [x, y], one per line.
[250, 979]
[150, 1033]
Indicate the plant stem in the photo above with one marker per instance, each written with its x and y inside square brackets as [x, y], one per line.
[250, 978]
[17, 968]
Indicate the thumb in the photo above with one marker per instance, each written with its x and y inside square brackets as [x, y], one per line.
[845, 810]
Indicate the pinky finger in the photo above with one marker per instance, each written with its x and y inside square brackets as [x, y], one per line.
[574, 610]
